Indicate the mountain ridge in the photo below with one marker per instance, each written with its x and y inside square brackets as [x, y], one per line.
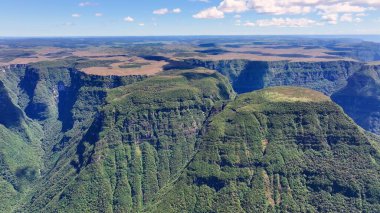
[331, 78]
[233, 174]
[120, 144]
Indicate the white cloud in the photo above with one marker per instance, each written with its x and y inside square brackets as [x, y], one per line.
[75, 15]
[237, 16]
[230, 6]
[281, 7]
[87, 4]
[249, 24]
[285, 22]
[344, 7]
[210, 13]
[361, 15]
[373, 3]
[162, 11]
[357, 20]
[177, 10]
[331, 18]
[349, 18]
[346, 17]
[141, 24]
[129, 19]
[98, 14]
[328, 10]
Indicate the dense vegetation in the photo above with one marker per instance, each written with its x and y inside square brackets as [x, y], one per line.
[44, 108]
[181, 141]
[360, 98]
[247, 76]
[353, 85]
[144, 136]
[279, 150]
[161, 144]
[121, 143]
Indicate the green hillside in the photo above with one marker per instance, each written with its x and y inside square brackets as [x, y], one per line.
[144, 135]
[352, 85]
[181, 141]
[279, 150]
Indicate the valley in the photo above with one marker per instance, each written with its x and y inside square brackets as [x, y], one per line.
[228, 124]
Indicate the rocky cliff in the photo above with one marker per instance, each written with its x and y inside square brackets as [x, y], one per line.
[247, 76]
[141, 139]
[360, 98]
[44, 108]
[130, 139]
[178, 141]
[351, 84]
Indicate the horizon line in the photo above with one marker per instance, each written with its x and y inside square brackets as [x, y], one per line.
[200, 35]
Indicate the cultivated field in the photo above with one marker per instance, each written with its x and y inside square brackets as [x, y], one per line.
[127, 66]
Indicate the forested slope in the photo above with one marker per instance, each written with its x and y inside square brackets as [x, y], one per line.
[279, 150]
[353, 85]
[177, 141]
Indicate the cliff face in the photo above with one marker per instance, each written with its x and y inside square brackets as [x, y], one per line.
[12, 115]
[179, 141]
[351, 84]
[247, 76]
[131, 140]
[20, 152]
[145, 136]
[141, 139]
[279, 149]
[360, 98]
[43, 109]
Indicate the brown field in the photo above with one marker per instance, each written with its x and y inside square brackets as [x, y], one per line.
[29, 60]
[152, 67]
[184, 47]
[309, 52]
[38, 57]
[374, 63]
[97, 52]
[253, 57]
[35, 59]
[314, 55]
[47, 50]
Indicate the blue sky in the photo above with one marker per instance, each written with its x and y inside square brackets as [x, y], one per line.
[187, 17]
